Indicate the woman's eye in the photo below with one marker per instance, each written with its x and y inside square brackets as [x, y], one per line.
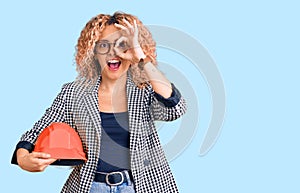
[103, 45]
[122, 44]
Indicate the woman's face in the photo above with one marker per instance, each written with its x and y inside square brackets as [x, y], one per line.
[112, 66]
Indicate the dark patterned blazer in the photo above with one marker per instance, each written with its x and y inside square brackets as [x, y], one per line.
[77, 105]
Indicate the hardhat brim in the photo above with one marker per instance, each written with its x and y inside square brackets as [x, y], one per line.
[68, 162]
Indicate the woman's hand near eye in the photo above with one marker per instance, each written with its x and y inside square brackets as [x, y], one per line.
[123, 48]
[134, 51]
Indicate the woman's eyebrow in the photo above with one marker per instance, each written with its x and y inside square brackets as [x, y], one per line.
[107, 41]
[103, 40]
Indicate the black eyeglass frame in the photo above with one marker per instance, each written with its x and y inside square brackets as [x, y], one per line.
[123, 47]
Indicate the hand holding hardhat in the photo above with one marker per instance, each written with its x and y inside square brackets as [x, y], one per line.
[58, 144]
[33, 162]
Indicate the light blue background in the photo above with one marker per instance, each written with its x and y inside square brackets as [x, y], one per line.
[254, 43]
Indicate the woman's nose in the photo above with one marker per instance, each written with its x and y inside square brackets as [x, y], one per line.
[112, 51]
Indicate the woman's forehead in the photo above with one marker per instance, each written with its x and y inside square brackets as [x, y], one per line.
[110, 33]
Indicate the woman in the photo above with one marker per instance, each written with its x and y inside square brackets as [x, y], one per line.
[113, 104]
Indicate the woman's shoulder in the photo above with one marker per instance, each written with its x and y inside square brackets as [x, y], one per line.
[75, 87]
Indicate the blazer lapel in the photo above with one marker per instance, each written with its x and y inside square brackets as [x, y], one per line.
[134, 99]
[91, 102]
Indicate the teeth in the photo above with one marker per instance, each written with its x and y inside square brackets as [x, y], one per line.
[113, 61]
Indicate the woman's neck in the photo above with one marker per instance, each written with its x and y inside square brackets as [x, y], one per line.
[113, 86]
[112, 95]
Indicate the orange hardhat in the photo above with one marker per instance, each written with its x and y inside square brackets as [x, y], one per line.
[63, 143]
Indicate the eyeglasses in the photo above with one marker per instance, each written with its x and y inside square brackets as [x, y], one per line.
[103, 47]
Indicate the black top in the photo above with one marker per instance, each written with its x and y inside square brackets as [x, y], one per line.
[114, 150]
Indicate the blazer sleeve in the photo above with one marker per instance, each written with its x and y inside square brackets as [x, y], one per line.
[169, 109]
[55, 113]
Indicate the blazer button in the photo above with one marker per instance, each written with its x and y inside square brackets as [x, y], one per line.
[146, 162]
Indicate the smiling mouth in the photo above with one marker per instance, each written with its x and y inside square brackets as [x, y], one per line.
[114, 64]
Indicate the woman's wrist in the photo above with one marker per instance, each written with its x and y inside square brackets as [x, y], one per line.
[140, 53]
[21, 153]
[142, 62]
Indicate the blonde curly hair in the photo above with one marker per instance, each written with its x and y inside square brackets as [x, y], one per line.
[88, 68]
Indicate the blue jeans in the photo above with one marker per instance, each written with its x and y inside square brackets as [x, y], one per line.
[102, 187]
